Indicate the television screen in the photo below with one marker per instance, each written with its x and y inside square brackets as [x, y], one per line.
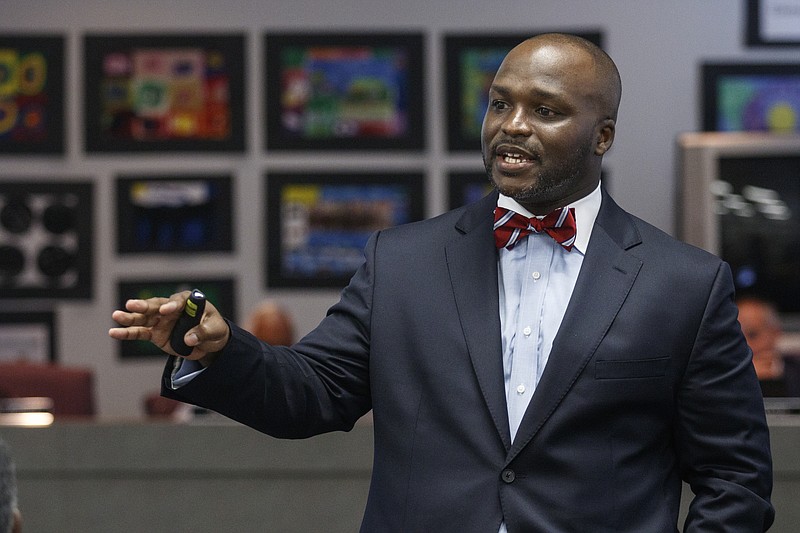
[758, 205]
[739, 198]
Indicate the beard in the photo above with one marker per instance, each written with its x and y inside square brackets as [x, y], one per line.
[548, 185]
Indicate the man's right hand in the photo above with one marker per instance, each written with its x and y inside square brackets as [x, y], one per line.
[153, 319]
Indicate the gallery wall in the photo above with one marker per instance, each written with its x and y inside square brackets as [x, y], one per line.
[658, 47]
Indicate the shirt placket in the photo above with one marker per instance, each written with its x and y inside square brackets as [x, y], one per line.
[527, 355]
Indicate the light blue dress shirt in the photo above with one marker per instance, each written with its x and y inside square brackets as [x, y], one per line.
[536, 278]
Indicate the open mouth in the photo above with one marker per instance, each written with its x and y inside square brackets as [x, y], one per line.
[514, 158]
[512, 154]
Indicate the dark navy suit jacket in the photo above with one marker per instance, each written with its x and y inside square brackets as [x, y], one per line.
[649, 382]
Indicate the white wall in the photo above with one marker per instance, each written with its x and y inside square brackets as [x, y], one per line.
[657, 45]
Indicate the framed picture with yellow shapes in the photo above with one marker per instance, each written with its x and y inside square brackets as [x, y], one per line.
[31, 94]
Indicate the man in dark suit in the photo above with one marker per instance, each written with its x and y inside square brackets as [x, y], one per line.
[550, 382]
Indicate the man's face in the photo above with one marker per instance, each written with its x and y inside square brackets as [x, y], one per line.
[543, 134]
[759, 331]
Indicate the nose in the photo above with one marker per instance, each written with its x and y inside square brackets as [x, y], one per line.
[517, 123]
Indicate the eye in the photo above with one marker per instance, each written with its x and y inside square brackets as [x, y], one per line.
[498, 105]
[546, 112]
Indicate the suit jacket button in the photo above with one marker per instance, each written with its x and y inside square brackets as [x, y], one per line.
[508, 475]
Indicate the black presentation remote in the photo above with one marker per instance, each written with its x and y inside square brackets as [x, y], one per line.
[190, 317]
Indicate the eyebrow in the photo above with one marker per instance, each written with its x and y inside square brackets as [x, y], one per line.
[536, 91]
[498, 89]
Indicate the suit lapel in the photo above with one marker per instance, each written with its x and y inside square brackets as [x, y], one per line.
[472, 264]
[606, 277]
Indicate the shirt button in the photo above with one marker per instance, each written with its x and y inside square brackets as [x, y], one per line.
[536, 275]
[508, 476]
[521, 388]
[527, 331]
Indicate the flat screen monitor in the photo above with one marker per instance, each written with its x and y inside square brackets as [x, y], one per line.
[739, 198]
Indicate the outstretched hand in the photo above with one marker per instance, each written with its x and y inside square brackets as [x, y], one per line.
[153, 319]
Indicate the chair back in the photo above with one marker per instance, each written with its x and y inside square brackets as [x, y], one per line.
[70, 388]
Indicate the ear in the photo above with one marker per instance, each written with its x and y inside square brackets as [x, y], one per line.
[605, 136]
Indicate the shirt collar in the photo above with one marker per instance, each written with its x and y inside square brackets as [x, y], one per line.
[586, 210]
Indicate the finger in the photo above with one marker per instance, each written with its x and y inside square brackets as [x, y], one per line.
[134, 319]
[130, 334]
[174, 304]
[139, 312]
[211, 335]
[150, 305]
[171, 307]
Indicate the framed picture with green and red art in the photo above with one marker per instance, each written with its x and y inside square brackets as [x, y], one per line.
[166, 92]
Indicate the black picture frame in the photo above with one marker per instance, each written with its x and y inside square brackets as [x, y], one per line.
[46, 239]
[318, 222]
[750, 97]
[220, 291]
[164, 92]
[344, 91]
[23, 331]
[780, 26]
[32, 89]
[471, 61]
[464, 187]
[174, 213]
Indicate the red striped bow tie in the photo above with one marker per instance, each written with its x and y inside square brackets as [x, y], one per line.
[510, 227]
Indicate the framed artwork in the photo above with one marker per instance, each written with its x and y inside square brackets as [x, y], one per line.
[219, 291]
[751, 97]
[174, 214]
[344, 91]
[319, 222]
[27, 336]
[31, 94]
[46, 239]
[466, 187]
[773, 22]
[471, 61]
[150, 93]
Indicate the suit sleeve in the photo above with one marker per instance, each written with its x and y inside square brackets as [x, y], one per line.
[318, 385]
[721, 432]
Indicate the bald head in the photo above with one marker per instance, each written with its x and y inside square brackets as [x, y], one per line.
[550, 120]
[607, 89]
